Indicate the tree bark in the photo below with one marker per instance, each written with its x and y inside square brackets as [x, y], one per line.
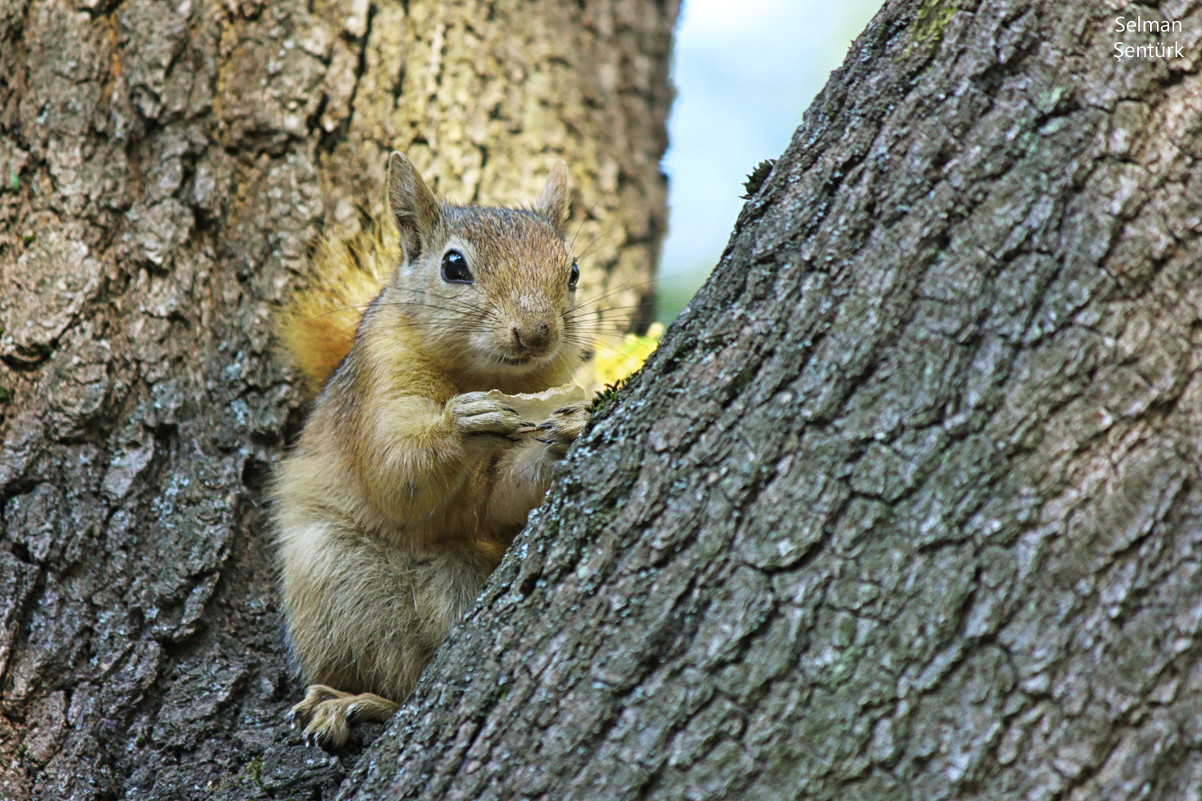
[908, 503]
[164, 167]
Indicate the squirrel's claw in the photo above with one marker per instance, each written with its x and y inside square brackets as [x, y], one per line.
[474, 413]
[561, 429]
[326, 715]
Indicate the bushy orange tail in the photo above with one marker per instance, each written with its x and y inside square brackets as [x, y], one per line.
[317, 326]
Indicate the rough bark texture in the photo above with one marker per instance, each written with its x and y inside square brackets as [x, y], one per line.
[908, 503]
[164, 166]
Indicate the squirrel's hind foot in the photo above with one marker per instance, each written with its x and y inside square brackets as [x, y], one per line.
[326, 714]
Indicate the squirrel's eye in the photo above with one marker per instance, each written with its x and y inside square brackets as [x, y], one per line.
[454, 268]
[575, 276]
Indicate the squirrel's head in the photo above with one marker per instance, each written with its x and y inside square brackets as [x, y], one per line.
[494, 289]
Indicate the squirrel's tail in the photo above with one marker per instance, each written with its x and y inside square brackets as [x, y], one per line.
[317, 325]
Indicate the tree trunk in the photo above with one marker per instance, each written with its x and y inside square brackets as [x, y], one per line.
[908, 503]
[164, 167]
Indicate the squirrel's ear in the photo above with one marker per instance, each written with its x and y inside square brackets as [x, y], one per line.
[552, 204]
[414, 206]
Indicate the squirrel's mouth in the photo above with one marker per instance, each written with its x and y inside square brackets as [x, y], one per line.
[523, 358]
[514, 361]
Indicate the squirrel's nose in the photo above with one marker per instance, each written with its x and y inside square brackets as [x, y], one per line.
[534, 337]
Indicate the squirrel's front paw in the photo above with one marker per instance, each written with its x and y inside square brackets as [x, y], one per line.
[475, 413]
[561, 429]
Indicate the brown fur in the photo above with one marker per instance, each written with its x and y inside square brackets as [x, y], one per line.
[317, 326]
[408, 484]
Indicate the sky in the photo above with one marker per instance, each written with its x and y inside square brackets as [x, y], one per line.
[745, 73]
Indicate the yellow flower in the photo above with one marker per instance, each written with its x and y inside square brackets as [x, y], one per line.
[614, 364]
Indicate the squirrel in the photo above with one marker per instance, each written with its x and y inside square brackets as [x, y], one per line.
[410, 479]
